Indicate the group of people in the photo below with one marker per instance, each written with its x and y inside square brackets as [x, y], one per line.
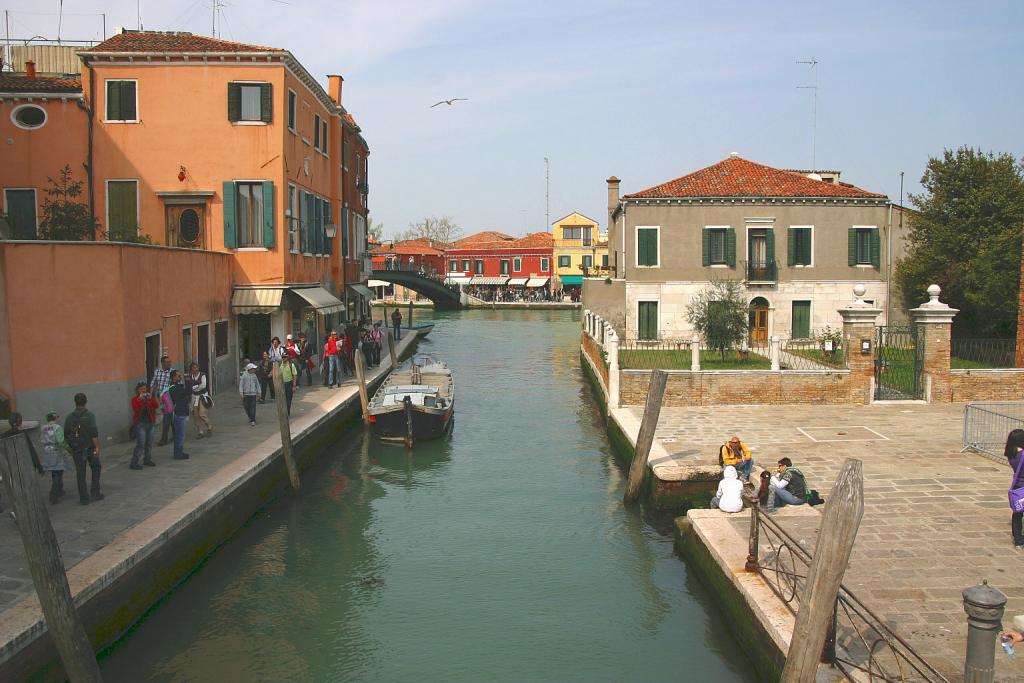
[177, 397]
[786, 486]
[513, 293]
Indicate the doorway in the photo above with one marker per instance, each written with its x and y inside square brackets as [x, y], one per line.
[185, 226]
[203, 351]
[152, 354]
[253, 336]
[757, 321]
[186, 347]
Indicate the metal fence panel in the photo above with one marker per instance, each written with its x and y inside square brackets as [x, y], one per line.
[987, 424]
[977, 354]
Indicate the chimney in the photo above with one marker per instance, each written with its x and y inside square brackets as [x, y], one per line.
[334, 87]
[613, 193]
[30, 69]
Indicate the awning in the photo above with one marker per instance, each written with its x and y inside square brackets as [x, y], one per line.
[572, 279]
[377, 283]
[362, 291]
[537, 281]
[481, 280]
[518, 281]
[319, 298]
[250, 301]
[457, 277]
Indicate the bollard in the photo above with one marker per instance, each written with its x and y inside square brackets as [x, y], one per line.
[755, 531]
[984, 607]
[695, 354]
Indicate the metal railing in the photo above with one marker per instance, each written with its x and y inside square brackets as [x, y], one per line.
[822, 349]
[986, 425]
[858, 643]
[677, 354]
[761, 271]
[977, 354]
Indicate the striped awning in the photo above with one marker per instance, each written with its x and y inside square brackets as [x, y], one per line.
[363, 291]
[537, 281]
[481, 280]
[518, 281]
[377, 283]
[319, 298]
[256, 300]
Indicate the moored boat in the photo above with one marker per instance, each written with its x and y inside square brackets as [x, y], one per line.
[416, 401]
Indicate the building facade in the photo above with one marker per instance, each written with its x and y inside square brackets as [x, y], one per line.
[230, 194]
[578, 248]
[797, 241]
[493, 259]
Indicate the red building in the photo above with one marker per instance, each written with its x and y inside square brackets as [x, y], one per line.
[417, 255]
[493, 259]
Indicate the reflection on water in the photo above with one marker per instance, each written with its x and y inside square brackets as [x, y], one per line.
[502, 553]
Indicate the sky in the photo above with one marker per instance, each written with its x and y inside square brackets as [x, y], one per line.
[643, 90]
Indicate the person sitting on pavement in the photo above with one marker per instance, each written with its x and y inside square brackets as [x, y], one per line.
[735, 453]
[730, 492]
[787, 487]
[1015, 635]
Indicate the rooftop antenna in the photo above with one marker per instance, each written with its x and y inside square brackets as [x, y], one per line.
[813, 63]
[547, 194]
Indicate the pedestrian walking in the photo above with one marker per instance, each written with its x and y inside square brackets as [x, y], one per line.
[366, 343]
[376, 335]
[179, 396]
[331, 360]
[276, 351]
[306, 353]
[396, 323]
[249, 389]
[288, 378]
[199, 392]
[352, 343]
[55, 452]
[144, 407]
[1014, 453]
[83, 438]
[160, 382]
[264, 372]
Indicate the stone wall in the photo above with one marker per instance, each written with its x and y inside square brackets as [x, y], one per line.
[747, 387]
[983, 385]
[593, 352]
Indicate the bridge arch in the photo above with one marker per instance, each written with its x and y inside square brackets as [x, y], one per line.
[443, 297]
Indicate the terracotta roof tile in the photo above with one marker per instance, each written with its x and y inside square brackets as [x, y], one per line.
[420, 247]
[172, 41]
[482, 238]
[537, 239]
[737, 177]
[12, 83]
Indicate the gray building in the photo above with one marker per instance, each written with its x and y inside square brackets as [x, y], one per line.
[798, 241]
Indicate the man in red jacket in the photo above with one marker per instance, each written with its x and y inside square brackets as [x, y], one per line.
[144, 407]
[331, 360]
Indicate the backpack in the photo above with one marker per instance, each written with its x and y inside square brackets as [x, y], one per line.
[166, 404]
[77, 436]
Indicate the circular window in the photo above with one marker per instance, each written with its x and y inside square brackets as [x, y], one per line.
[188, 226]
[29, 116]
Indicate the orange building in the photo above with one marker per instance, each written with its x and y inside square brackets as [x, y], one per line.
[246, 176]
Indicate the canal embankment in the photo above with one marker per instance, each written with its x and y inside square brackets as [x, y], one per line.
[156, 526]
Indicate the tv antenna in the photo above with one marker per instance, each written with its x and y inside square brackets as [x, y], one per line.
[547, 194]
[813, 63]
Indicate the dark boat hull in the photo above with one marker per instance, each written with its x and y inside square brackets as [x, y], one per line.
[425, 425]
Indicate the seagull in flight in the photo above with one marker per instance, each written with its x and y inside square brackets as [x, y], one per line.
[449, 102]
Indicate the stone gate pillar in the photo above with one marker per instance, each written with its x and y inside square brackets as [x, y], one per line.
[613, 367]
[936, 323]
[859, 328]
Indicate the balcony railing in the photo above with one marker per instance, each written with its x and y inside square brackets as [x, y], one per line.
[761, 271]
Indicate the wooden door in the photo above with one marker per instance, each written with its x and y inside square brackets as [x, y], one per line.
[758, 324]
[186, 226]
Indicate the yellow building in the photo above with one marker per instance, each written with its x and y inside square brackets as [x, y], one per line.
[578, 246]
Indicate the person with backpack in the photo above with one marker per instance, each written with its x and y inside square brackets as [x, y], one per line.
[376, 335]
[182, 401]
[54, 450]
[306, 352]
[199, 392]
[736, 454]
[83, 438]
[1014, 452]
[787, 487]
[144, 407]
[160, 382]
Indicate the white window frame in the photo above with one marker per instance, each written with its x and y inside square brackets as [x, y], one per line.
[137, 118]
[324, 127]
[517, 264]
[545, 264]
[191, 341]
[636, 246]
[568, 258]
[316, 131]
[467, 265]
[804, 265]
[35, 199]
[160, 349]
[746, 235]
[482, 266]
[453, 265]
[291, 112]
[583, 260]
[867, 227]
[46, 115]
[718, 227]
[504, 266]
[138, 204]
[810, 316]
[636, 319]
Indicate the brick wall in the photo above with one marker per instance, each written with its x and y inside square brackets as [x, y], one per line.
[747, 387]
[937, 348]
[593, 352]
[983, 385]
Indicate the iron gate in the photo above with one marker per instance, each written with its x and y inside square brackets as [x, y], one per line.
[899, 359]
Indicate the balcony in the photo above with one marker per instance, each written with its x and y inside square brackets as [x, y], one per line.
[761, 272]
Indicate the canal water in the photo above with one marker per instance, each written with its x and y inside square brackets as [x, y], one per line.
[503, 553]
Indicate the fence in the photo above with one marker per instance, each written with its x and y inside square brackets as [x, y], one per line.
[987, 424]
[977, 354]
[858, 643]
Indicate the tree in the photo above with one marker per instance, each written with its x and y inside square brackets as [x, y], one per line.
[442, 230]
[374, 230]
[64, 217]
[719, 314]
[966, 237]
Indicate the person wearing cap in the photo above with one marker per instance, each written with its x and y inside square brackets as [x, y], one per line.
[54, 452]
[249, 390]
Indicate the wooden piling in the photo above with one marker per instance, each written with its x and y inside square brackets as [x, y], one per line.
[408, 325]
[364, 400]
[645, 438]
[838, 531]
[45, 563]
[285, 427]
[407, 404]
[391, 349]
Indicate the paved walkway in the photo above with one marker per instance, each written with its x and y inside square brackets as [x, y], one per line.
[133, 495]
[935, 521]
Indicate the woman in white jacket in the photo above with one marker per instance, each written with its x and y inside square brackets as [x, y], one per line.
[730, 492]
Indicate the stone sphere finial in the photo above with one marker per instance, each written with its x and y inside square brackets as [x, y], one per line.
[859, 290]
[933, 293]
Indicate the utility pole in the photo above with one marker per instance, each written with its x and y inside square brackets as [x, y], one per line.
[547, 194]
[813, 63]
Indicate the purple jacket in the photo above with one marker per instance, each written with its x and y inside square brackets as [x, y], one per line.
[1019, 479]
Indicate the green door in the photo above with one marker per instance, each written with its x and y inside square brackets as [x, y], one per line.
[801, 320]
[648, 320]
[21, 213]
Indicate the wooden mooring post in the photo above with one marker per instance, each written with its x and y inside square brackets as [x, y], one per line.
[45, 563]
[645, 438]
[364, 399]
[408, 325]
[839, 523]
[286, 430]
[391, 349]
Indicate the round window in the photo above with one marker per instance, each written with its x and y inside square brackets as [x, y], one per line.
[188, 226]
[29, 116]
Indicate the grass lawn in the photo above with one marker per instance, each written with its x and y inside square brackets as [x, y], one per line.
[679, 359]
[967, 364]
[835, 359]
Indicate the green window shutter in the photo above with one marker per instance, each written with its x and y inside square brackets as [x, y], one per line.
[307, 225]
[806, 251]
[318, 228]
[234, 102]
[344, 232]
[122, 206]
[647, 247]
[791, 247]
[730, 247]
[266, 102]
[876, 249]
[769, 246]
[801, 320]
[268, 214]
[128, 100]
[851, 240]
[705, 248]
[113, 100]
[328, 242]
[230, 232]
[647, 320]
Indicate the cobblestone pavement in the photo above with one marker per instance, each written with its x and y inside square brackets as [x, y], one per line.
[935, 521]
[133, 495]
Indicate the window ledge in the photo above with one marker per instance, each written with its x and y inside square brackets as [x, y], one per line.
[252, 249]
[306, 141]
[249, 123]
[865, 265]
[292, 130]
[657, 266]
[719, 265]
[122, 121]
